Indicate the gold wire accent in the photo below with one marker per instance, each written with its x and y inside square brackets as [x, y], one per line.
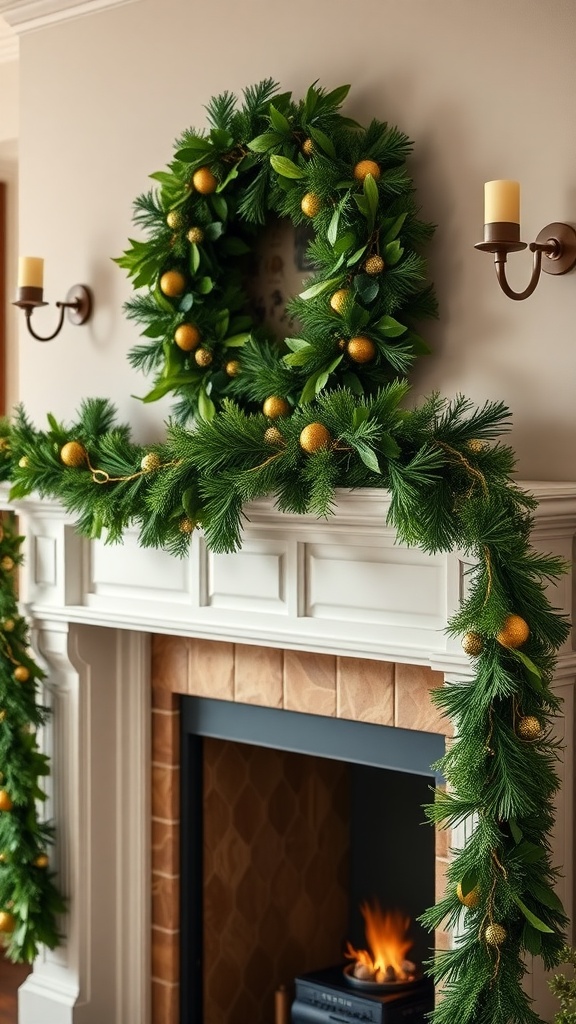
[469, 468]
[100, 476]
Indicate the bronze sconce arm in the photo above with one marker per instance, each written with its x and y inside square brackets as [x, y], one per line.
[77, 305]
[554, 252]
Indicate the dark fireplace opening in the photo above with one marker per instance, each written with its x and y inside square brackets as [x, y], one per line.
[291, 826]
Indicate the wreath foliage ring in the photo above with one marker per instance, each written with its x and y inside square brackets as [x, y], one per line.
[274, 157]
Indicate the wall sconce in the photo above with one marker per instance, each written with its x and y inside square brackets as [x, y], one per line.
[77, 305]
[554, 249]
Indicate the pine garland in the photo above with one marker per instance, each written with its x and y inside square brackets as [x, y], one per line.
[29, 899]
[297, 426]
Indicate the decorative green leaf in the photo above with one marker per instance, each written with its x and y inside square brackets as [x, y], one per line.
[371, 193]
[295, 344]
[262, 143]
[309, 389]
[391, 229]
[206, 407]
[332, 233]
[237, 340]
[547, 897]
[214, 230]
[337, 96]
[299, 358]
[367, 455]
[319, 288]
[393, 252]
[357, 255]
[390, 448]
[205, 285]
[361, 414]
[390, 327]
[232, 174]
[287, 168]
[219, 205]
[186, 302]
[324, 142]
[516, 831]
[344, 243]
[532, 671]
[194, 258]
[280, 123]
[528, 852]
[533, 920]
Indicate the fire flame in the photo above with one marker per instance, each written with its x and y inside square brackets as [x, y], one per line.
[386, 936]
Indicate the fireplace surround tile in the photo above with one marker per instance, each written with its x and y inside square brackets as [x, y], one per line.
[365, 690]
[211, 669]
[258, 675]
[413, 707]
[310, 683]
[166, 846]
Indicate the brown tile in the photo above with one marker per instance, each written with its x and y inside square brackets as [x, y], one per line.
[414, 709]
[443, 839]
[310, 683]
[211, 669]
[166, 737]
[163, 700]
[441, 868]
[442, 940]
[165, 793]
[166, 902]
[365, 690]
[170, 663]
[166, 847]
[165, 1003]
[165, 955]
[258, 675]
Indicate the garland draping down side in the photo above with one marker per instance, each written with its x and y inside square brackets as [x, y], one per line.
[451, 487]
[29, 899]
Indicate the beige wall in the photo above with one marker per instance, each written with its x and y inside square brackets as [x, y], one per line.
[485, 89]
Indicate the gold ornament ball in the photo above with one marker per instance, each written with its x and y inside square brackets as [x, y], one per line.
[204, 181]
[476, 446]
[3, 858]
[307, 147]
[471, 899]
[374, 265]
[7, 563]
[21, 674]
[361, 350]
[41, 861]
[495, 935]
[73, 454]
[172, 283]
[150, 462]
[174, 219]
[529, 728]
[187, 337]
[203, 357]
[232, 367]
[2, 714]
[275, 406]
[23, 462]
[314, 437]
[339, 300]
[273, 436]
[514, 632]
[365, 167]
[5, 801]
[186, 525]
[7, 922]
[8, 625]
[195, 236]
[311, 204]
[472, 644]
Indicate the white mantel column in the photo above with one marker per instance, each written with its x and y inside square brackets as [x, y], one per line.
[97, 738]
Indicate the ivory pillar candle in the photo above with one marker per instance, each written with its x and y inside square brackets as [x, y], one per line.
[502, 202]
[30, 272]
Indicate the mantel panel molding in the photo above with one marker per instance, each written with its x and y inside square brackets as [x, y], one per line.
[29, 15]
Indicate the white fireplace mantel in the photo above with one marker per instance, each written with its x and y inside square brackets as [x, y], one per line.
[340, 586]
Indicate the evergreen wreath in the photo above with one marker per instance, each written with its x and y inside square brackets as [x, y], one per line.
[449, 474]
[306, 162]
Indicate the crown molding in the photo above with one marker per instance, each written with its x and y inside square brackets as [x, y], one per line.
[29, 15]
